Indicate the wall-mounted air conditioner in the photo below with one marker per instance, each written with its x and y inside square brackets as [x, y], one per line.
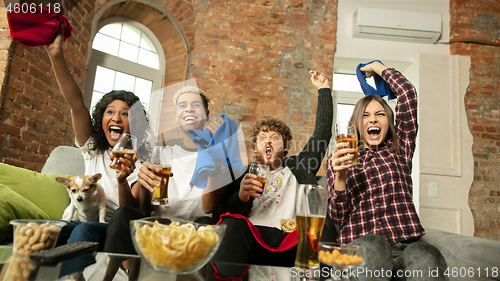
[407, 26]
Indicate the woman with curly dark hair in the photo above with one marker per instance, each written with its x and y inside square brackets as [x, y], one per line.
[113, 116]
[101, 143]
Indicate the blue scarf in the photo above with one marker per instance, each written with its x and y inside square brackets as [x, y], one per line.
[221, 148]
[382, 87]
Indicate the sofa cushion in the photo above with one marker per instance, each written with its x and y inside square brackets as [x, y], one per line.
[38, 188]
[14, 206]
[466, 253]
[65, 160]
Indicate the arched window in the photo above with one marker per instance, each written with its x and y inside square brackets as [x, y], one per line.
[126, 56]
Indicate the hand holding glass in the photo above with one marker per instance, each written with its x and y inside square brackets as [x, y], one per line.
[162, 157]
[346, 132]
[125, 145]
[262, 173]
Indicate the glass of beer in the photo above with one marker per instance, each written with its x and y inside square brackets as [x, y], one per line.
[345, 131]
[310, 214]
[162, 157]
[262, 173]
[125, 145]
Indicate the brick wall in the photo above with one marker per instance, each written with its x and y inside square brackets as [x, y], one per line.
[256, 55]
[6, 130]
[475, 32]
[252, 58]
[34, 116]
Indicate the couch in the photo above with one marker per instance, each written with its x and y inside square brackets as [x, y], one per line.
[465, 256]
[26, 194]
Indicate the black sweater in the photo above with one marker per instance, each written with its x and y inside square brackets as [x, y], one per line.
[303, 166]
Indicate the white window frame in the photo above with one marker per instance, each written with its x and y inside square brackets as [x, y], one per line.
[157, 76]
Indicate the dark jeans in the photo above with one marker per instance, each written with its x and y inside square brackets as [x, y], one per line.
[76, 231]
[119, 239]
[409, 260]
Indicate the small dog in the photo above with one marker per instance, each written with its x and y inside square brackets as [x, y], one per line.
[88, 200]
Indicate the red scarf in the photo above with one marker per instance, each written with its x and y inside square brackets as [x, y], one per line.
[37, 29]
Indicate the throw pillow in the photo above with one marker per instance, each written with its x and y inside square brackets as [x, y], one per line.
[38, 188]
[14, 206]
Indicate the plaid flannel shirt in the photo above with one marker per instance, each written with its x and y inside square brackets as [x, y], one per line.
[378, 198]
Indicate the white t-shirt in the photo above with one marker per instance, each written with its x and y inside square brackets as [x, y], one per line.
[99, 163]
[183, 201]
[277, 201]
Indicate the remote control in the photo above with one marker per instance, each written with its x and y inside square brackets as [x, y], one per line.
[64, 252]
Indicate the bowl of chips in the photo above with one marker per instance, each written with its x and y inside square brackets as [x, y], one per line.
[175, 245]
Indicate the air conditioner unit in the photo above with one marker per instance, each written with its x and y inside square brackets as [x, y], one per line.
[407, 26]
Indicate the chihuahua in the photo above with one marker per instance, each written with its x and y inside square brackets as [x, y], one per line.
[88, 200]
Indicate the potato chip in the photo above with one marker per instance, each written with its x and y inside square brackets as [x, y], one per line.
[288, 225]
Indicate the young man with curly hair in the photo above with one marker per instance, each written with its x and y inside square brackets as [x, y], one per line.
[253, 234]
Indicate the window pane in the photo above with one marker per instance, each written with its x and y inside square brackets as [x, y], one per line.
[128, 52]
[96, 96]
[131, 43]
[113, 30]
[344, 112]
[349, 82]
[131, 35]
[124, 82]
[106, 44]
[147, 44]
[143, 90]
[149, 59]
[104, 78]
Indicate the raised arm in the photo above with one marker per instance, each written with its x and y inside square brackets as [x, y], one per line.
[72, 93]
[317, 145]
[406, 111]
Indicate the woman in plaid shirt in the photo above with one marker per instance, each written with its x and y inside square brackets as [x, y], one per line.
[372, 202]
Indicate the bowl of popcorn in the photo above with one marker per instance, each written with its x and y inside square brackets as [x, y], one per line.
[33, 236]
[176, 245]
[341, 257]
